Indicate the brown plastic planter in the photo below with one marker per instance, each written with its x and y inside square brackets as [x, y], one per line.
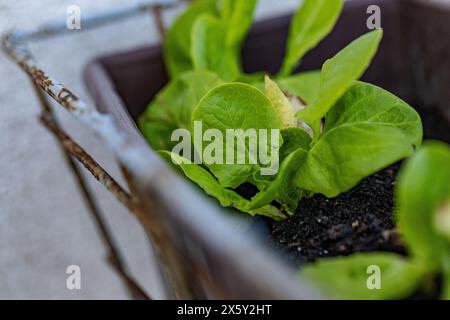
[413, 62]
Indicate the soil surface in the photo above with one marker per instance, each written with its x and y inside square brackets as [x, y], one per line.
[355, 221]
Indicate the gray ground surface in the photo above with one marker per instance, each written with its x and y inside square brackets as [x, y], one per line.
[44, 225]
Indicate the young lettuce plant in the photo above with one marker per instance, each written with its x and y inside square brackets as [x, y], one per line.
[208, 36]
[347, 131]
[423, 216]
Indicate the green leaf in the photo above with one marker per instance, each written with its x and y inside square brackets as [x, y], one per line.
[442, 219]
[367, 130]
[339, 73]
[293, 139]
[232, 175]
[311, 23]
[210, 52]
[157, 133]
[446, 278]
[282, 185]
[216, 42]
[238, 15]
[226, 197]
[234, 106]
[442, 225]
[351, 277]
[172, 107]
[284, 108]
[177, 45]
[296, 143]
[305, 85]
[256, 79]
[423, 187]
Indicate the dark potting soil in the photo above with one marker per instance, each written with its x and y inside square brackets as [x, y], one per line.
[356, 221]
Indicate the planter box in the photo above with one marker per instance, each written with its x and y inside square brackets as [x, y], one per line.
[413, 62]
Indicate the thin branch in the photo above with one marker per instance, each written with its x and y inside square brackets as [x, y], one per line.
[70, 148]
[157, 11]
